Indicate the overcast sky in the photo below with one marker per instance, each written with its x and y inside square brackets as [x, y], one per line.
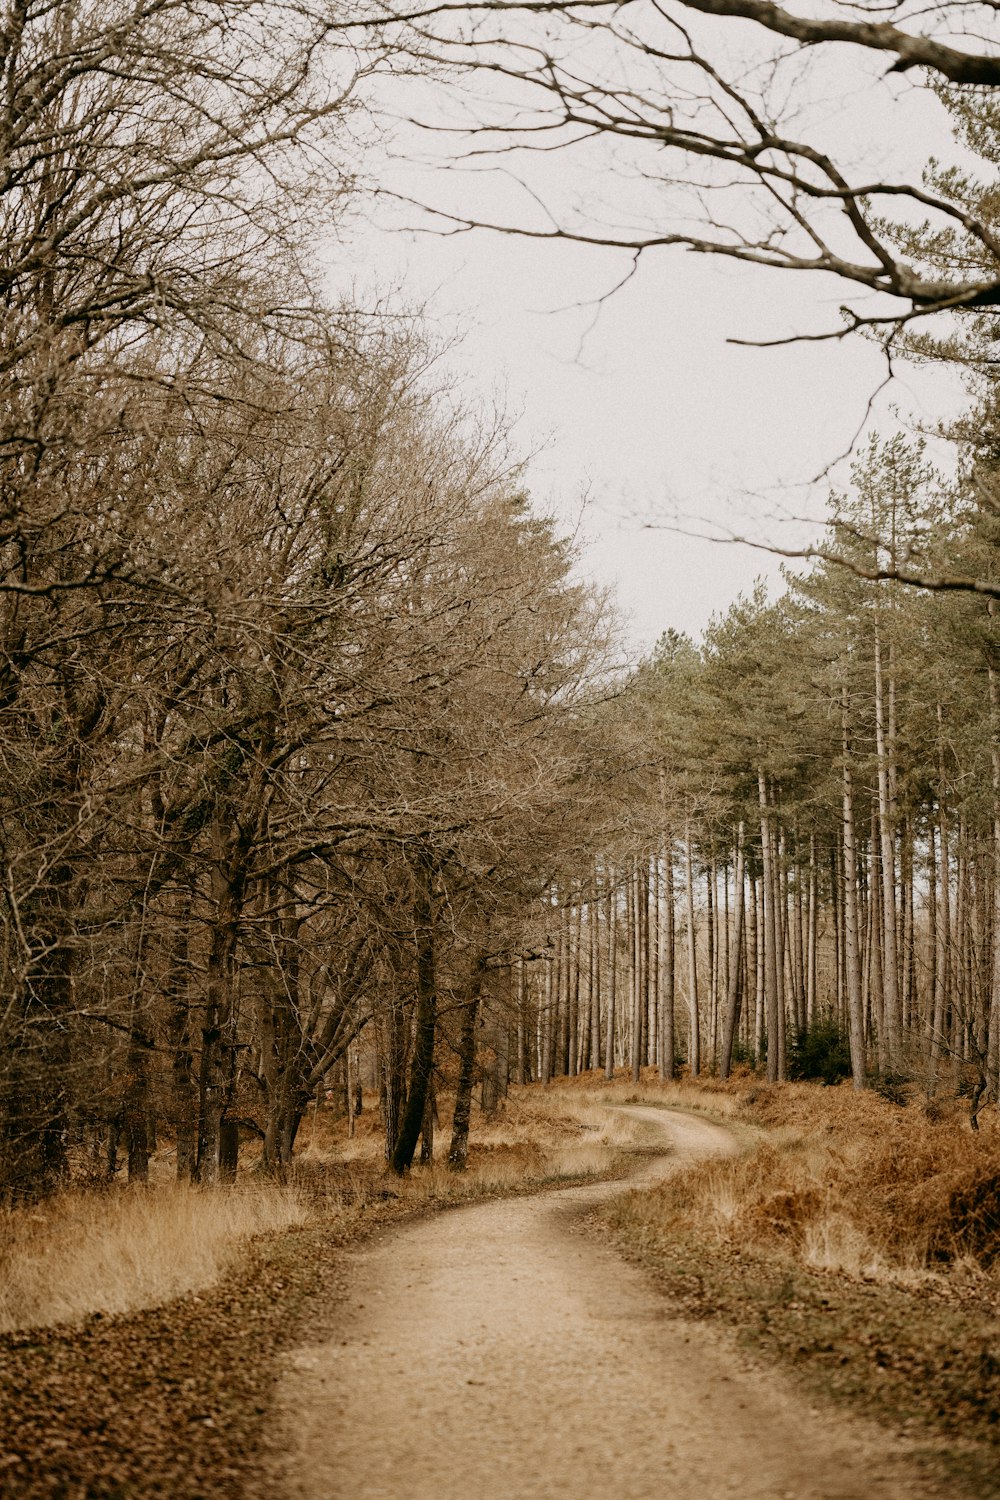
[639, 403]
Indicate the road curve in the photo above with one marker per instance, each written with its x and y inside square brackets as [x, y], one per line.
[502, 1352]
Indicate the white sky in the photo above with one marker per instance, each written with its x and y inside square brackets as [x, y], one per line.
[641, 404]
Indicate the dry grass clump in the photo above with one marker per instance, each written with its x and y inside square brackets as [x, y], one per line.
[844, 1182]
[708, 1096]
[532, 1140]
[81, 1253]
[535, 1136]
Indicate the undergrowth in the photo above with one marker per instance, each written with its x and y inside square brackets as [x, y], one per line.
[118, 1249]
[854, 1239]
[847, 1182]
[110, 1252]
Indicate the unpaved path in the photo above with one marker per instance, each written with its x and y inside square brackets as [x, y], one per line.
[501, 1352]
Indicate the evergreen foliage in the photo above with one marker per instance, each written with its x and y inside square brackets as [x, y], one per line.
[821, 1051]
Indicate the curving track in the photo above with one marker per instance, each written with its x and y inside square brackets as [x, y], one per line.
[502, 1352]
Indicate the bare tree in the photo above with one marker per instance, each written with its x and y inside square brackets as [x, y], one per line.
[691, 100]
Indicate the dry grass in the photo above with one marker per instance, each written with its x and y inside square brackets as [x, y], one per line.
[113, 1252]
[723, 1101]
[536, 1138]
[120, 1250]
[842, 1182]
[838, 1182]
[855, 1242]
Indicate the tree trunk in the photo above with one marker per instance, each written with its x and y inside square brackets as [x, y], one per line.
[993, 1029]
[837, 911]
[876, 948]
[760, 975]
[426, 1020]
[609, 1045]
[711, 902]
[668, 980]
[229, 1148]
[798, 944]
[812, 936]
[942, 974]
[573, 988]
[565, 982]
[780, 928]
[770, 932]
[216, 1026]
[850, 906]
[521, 1071]
[637, 995]
[694, 1051]
[652, 960]
[427, 1126]
[594, 949]
[886, 820]
[548, 1018]
[735, 962]
[908, 995]
[183, 1087]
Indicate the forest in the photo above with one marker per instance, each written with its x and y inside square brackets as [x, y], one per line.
[325, 771]
[444, 1047]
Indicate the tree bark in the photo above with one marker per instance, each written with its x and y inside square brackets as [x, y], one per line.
[521, 1069]
[711, 902]
[668, 979]
[993, 1028]
[812, 936]
[887, 834]
[850, 906]
[694, 1051]
[426, 1018]
[573, 988]
[770, 930]
[943, 940]
[637, 967]
[609, 1045]
[735, 963]
[594, 950]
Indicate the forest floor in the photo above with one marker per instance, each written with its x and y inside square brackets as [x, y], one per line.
[535, 1344]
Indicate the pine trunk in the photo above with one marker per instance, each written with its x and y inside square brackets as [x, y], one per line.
[735, 963]
[892, 1011]
[852, 956]
[694, 1051]
[770, 931]
[668, 979]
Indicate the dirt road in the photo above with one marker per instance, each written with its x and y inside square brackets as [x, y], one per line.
[501, 1352]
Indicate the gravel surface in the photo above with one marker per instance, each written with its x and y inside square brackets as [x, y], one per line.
[504, 1352]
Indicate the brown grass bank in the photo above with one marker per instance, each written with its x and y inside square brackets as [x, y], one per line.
[855, 1239]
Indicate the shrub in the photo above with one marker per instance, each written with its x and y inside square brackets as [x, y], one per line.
[893, 1087]
[820, 1051]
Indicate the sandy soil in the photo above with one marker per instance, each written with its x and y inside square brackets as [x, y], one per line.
[501, 1352]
